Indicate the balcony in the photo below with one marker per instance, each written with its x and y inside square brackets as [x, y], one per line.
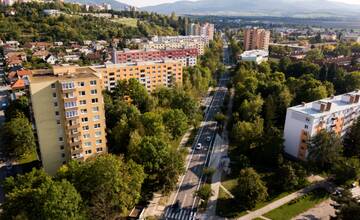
[77, 156]
[77, 151]
[76, 144]
[74, 126]
[74, 135]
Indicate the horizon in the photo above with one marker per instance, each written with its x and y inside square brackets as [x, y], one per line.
[144, 3]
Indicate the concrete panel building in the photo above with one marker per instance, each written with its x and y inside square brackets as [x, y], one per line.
[304, 121]
[188, 57]
[68, 111]
[256, 39]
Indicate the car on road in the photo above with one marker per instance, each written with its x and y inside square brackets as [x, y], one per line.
[198, 146]
[208, 139]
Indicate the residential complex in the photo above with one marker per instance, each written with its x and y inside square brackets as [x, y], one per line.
[205, 30]
[257, 56]
[68, 111]
[306, 120]
[177, 42]
[152, 75]
[255, 39]
[187, 57]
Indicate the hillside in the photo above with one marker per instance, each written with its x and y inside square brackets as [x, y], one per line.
[291, 8]
[114, 4]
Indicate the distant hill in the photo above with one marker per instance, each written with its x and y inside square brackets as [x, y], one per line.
[289, 8]
[114, 4]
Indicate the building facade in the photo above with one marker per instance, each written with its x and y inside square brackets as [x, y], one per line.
[177, 42]
[188, 57]
[257, 56]
[205, 30]
[69, 116]
[304, 121]
[256, 39]
[151, 75]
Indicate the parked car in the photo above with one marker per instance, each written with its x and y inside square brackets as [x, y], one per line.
[198, 146]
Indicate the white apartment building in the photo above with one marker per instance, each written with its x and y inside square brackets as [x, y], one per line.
[304, 121]
[177, 42]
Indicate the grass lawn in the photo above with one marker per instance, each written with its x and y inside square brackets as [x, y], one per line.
[131, 22]
[228, 207]
[298, 206]
[28, 158]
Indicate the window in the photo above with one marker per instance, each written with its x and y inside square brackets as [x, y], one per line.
[69, 95]
[70, 104]
[306, 126]
[82, 102]
[93, 92]
[98, 134]
[97, 125]
[57, 113]
[83, 111]
[87, 144]
[88, 152]
[95, 100]
[99, 149]
[69, 114]
[53, 86]
[81, 84]
[86, 136]
[82, 93]
[96, 118]
[62, 155]
[85, 128]
[60, 139]
[61, 147]
[58, 122]
[54, 95]
[95, 109]
[98, 142]
[55, 104]
[93, 82]
[68, 85]
[84, 120]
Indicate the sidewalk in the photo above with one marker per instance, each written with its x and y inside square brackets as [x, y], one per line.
[282, 201]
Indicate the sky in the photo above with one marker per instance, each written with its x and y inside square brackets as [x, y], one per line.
[142, 3]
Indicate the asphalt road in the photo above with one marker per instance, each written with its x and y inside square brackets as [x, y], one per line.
[184, 205]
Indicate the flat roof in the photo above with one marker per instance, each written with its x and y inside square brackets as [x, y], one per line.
[67, 73]
[336, 105]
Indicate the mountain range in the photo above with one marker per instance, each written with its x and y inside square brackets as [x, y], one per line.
[116, 5]
[278, 8]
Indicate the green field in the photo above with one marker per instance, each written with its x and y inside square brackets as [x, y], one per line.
[28, 158]
[298, 206]
[130, 22]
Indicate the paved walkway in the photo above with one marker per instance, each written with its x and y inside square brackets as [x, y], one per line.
[282, 201]
[227, 191]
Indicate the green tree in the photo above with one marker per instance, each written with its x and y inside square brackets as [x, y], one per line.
[246, 134]
[288, 179]
[346, 170]
[249, 110]
[324, 149]
[107, 184]
[269, 150]
[162, 164]
[250, 189]
[153, 123]
[352, 140]
[36, 196]
[17, 137]
[17, 107]
[204, 192]
[176, 122]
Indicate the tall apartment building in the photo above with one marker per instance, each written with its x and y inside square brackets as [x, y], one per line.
[152, 75]
[305, 121]
[204, 30]
[177, 42]
[68, 111]
[256, 39]
[188, 57]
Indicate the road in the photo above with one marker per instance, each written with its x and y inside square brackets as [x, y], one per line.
[184, 204]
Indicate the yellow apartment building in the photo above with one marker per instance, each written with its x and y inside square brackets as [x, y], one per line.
[69, 116]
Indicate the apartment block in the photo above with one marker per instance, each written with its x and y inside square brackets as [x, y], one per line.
[188, 57]
[205, 30]
[152, 75]
[68, 113]
[304, 121]
[177, 42]
[256, 39]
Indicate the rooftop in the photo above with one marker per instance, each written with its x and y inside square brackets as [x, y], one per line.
[63, 72]
[255, 53]
[329, 105]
